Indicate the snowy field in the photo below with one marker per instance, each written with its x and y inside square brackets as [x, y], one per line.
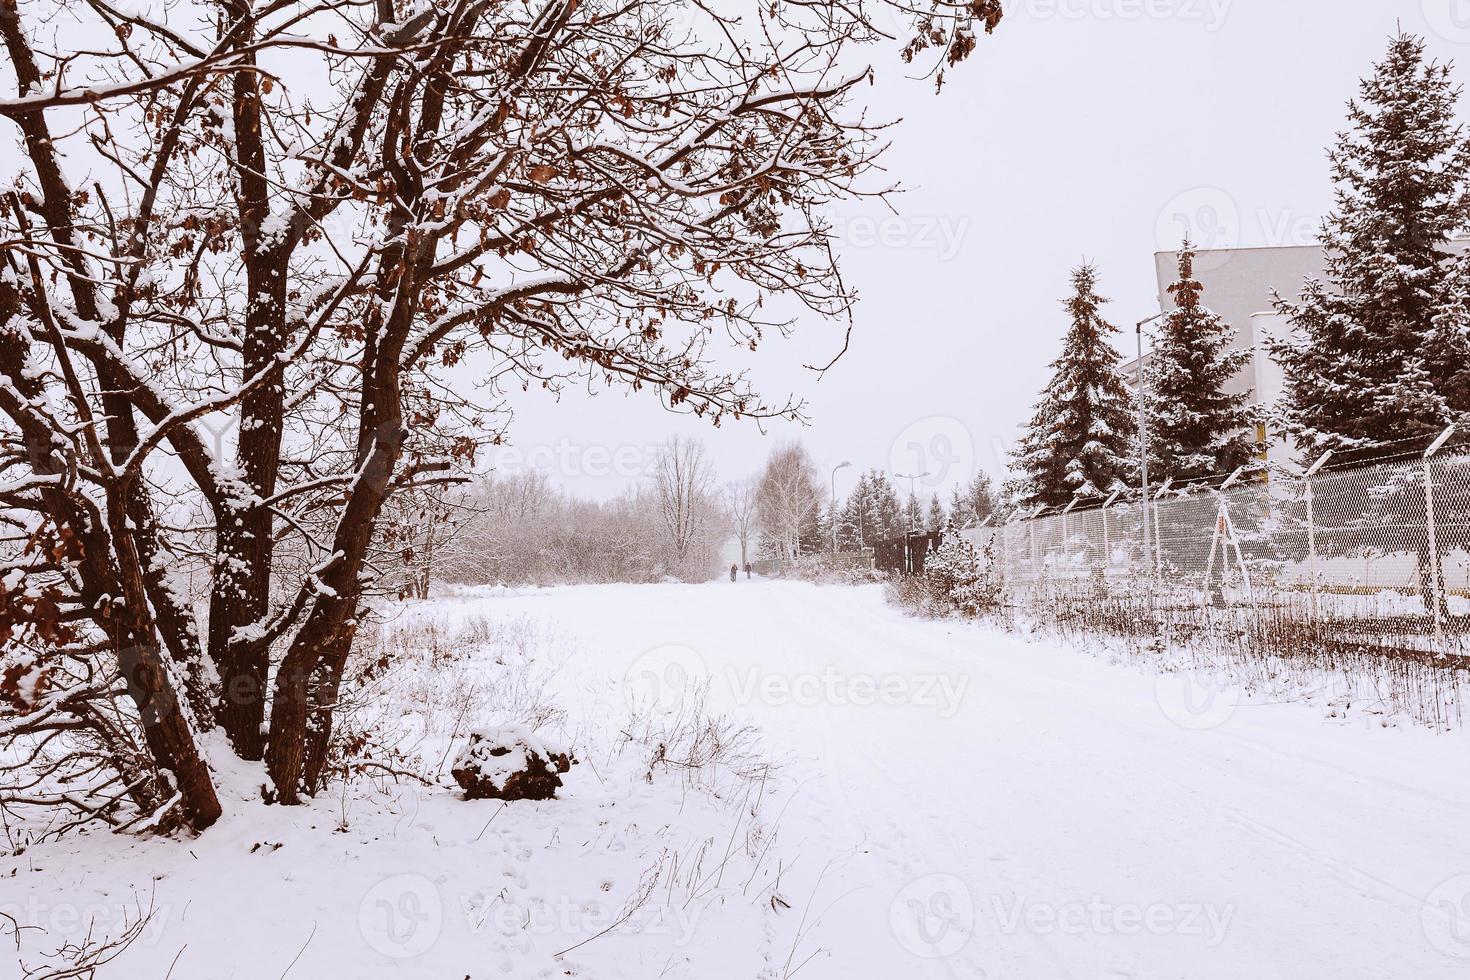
[944, 800]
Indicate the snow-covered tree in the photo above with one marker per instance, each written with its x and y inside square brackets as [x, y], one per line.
[975, 501]
[1195, 428]
[824, 533]
[958, 577]
[297, 221]
[1379, 350]
[1079, 440]
[885, 509]
[935, 518]
[849, 516]
[913, 514]
[788, 501]
[683, 481]
[740, 502]
[871, 513]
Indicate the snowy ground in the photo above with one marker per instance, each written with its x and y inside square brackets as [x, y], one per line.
[951, 802]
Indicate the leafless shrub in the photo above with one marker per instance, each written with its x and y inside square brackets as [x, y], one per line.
[912, 593]
[72, 746]
[83, 958]
[706, 750]
[829, 570]
[416, 686]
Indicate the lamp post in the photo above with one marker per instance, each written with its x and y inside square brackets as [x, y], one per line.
[1143, 432]
[912, 496]
[832, 514]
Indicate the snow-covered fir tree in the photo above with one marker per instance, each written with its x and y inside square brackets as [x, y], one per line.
[958, 577]
[975, 501]
[913, 515]
[852, 526]
[1195, 428]
[1378, 351]
[1078, 442]
[935, 519]
[883, 511]
[825, 530]
[871, 513]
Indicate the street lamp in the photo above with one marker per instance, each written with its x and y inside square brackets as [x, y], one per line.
[832, 514]
[1143, 431]
[911, 478]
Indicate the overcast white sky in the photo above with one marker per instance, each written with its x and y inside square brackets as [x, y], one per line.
[1083, 128]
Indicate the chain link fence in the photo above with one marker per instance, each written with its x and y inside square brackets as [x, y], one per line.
[1375, 555]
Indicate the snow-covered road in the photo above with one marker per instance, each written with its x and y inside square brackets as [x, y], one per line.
[977, 804]
[954, 802]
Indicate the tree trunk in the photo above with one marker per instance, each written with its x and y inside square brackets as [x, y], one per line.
[241, 597]
[326, 688]
[167, 731]
[300, 721]
[289, 710]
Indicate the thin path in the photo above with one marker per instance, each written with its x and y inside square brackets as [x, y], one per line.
[991, 806]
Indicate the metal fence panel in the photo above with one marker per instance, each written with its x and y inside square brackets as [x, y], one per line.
[1379, 552]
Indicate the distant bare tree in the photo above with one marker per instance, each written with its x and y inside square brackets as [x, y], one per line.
[519, 529]
[417, 529]
[787, 500]
[740, 505]
[684, 480]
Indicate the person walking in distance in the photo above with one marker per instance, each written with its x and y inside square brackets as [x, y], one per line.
[733, 572]
[747, 571]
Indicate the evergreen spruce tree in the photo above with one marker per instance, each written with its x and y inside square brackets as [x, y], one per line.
[1079, 439]
[934, 522]
[851, 527]
[973, 502]
[1379, 351]
[958, 577]
[885, 512]
[825, 530]
[871, 513]
[913, 515]
[1195, 428]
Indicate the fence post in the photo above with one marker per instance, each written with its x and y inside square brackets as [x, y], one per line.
[1158, 555]
[1107, 553]
[1436, 586]
[1312, 528]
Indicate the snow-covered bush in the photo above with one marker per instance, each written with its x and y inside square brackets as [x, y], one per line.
[826, 570]
[959, 578]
